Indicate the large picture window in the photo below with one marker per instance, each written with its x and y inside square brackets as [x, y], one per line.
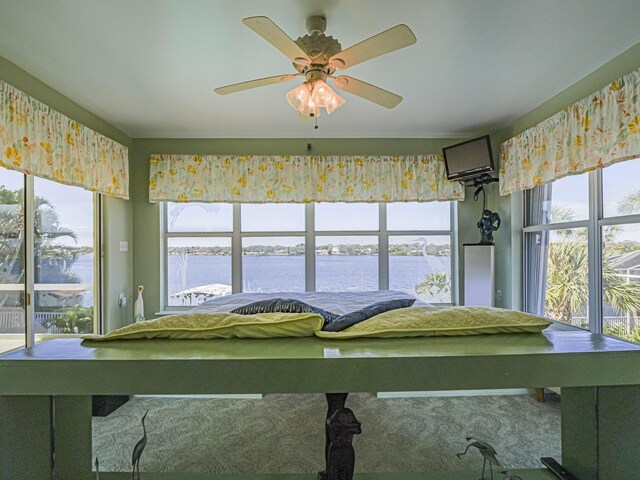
[582, 250]
[216, 249]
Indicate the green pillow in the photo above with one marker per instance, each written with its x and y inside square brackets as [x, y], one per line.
[441, 321]
[219, 325]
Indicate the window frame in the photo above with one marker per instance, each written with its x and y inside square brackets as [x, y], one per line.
[310, 235]
[594, 224]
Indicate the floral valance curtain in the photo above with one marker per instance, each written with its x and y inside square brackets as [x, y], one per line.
[597, 131]
[40, 141]
[300, 179]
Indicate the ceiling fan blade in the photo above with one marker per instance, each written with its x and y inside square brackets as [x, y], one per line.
[268, 30]
[260, 82]
[367, 91]
[388, 41]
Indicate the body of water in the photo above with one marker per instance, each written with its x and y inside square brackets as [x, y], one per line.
[287, 273]
[82, 268]
[275, 273]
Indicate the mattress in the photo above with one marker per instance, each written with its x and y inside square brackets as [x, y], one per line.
[336, 302]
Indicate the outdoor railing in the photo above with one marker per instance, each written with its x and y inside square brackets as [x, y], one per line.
[12, 321]
[613, 322]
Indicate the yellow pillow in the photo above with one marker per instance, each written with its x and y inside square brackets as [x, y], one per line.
[219, 325]
[441, 321]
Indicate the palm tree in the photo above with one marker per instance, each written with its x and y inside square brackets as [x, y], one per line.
[435, 287]
[567, 273]
[568, 284]
[630, 204]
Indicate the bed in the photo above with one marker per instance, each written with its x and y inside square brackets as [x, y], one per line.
[337, 302]
[52, 383]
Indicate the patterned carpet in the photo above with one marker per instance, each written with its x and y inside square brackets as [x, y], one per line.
[285, 433]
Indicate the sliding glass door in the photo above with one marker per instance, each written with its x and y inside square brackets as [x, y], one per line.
[12, 261]
[48, 263]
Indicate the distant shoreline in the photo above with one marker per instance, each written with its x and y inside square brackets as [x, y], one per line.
[407, 249]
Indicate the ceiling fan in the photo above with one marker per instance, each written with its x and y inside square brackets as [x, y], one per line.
[316, 57]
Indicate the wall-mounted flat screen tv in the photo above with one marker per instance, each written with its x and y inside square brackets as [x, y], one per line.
[468, 159]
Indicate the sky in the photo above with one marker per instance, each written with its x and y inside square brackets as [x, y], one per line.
[328, 217]
[618, 181]
[73, 205]
[291, 217]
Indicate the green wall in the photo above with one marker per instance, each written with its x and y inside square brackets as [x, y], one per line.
[118, 273]
[117, 226]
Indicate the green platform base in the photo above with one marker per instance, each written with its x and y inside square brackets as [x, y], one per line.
[45, 391]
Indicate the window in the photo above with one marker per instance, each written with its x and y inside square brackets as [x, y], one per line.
[347, 263]
[273, 247]
[273, 264]
[582, 250]
[621, 250]
[197, 268]
[214, 249]
[62, 259]
[420, 264]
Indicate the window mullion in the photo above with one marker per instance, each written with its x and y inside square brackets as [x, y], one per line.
[309, 248]
[453, 242]
[595, 251]
[383, 249]
[236, 251]
[29, 256]
[164, 258]
[98, 265]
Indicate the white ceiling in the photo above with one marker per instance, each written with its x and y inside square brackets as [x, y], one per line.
[149, 66]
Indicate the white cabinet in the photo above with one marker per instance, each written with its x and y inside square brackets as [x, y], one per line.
[479, 275]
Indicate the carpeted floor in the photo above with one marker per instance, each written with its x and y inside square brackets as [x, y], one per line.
[285, 433]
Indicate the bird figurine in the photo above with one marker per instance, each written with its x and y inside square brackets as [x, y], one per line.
[138, 449]
[97, 465]
[508, 476]
[487, 452]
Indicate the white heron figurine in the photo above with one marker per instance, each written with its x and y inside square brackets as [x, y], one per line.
[487, 452]
[138, 449]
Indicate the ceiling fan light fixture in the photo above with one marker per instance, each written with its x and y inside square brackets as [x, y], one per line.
[321, 94]
[336, 102]
[309, 97]
[300, 99]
